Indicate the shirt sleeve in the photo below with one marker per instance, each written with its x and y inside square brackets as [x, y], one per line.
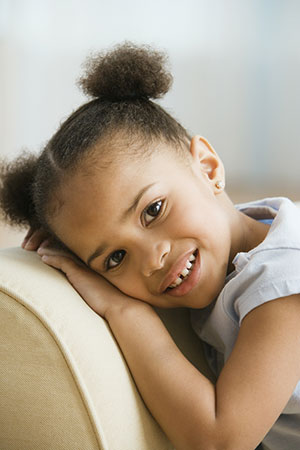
[268, 275]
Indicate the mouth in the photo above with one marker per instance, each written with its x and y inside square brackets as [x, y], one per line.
[186, 280]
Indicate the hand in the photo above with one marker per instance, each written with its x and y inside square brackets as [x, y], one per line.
[98, 293]
[34, 238]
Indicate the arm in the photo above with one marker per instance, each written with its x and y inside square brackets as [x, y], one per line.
[265, 364]
[193, 412]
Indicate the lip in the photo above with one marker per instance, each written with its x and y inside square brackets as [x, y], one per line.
[176, 269]
[191, 281]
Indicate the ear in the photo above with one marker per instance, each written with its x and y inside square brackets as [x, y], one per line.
[207, 162]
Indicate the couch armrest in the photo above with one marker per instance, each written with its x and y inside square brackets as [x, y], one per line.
[64, 383]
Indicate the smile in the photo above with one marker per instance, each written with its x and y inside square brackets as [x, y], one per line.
[187, 279]
[189, 265]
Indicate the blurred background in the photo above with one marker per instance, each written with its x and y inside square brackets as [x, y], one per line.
[236, 68]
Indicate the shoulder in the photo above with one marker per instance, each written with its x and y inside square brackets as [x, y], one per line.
[270, 270]
[285, 216]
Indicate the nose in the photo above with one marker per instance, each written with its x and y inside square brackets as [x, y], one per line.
[153, 257]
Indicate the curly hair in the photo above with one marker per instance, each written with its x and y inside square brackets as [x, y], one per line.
[122, 84]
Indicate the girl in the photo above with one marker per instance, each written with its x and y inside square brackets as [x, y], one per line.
[137, 216]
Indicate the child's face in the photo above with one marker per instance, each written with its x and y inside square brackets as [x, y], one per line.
[139, 224]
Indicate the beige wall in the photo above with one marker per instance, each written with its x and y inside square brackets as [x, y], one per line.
[236, 67]
[10, 237]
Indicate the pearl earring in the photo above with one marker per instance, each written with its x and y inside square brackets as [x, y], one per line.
[220, 185]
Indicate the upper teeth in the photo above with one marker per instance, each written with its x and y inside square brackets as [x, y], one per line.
[186, 270]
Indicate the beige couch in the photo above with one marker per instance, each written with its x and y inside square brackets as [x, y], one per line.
[64, 384]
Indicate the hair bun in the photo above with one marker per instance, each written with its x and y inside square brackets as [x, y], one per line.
[126, 72]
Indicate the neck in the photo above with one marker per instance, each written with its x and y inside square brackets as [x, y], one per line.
[246, 232]
[251, 234]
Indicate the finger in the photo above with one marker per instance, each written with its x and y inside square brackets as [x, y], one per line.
[57, 261]
[69, 267]
[27, 236]
[35, 239]
[52, 251]
[46, 243]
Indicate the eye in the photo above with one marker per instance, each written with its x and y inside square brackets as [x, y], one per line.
[152, 211]
[114, 259]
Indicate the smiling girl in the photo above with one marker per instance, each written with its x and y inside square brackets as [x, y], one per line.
[134, 211]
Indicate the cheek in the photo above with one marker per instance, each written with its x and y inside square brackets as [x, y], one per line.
[199, 218]
[189, 215]
[129, 283]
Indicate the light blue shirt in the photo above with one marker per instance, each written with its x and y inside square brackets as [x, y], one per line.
[269, 271]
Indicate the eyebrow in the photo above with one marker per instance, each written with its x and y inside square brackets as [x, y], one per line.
[101, 248]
